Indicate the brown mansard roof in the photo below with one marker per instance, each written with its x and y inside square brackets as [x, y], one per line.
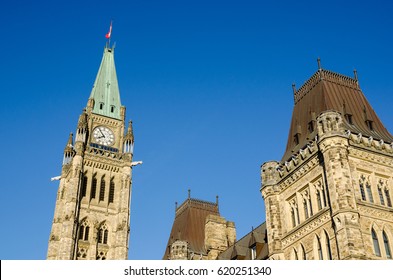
[189, 224]
[327, 90]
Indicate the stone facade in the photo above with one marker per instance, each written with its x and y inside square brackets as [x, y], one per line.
[331, 199]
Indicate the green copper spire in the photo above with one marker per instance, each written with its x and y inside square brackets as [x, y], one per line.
[105, 91]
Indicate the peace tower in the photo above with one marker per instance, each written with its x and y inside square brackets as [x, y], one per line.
[92, 213]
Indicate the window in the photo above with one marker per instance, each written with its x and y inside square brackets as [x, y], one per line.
[327, 245]
[362, 191]
[319, 200]
[305, 209]
[381, 196]
[369, 124]
[111, 191]
[84, 186]
[101, 106]
[102, 235]
[102, 189]
[296, 257]
[388, 201]
[84, 231]
[310, 127]
[296, 139]
[293, 217]
[112, 109]
[348, 118]
[319, 248]
[377, 251]
[369, 193]
[303, 252]
[93, 188]
[386, 245]
[253, 252]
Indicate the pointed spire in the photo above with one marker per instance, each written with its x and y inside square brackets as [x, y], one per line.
[81, 130]
[68, 150]
[129, 140]
[105, 92]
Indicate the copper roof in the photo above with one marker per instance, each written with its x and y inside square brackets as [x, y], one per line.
[189, 224]
[327, 90]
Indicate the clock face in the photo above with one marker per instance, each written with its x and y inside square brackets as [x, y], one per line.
[103, 135]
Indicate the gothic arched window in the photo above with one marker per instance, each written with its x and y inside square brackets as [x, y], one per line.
[102, 189]
[84, 231]
[319, 249]
[386, 245]
[111, 191]
[102, 235]
[327, 247]
[93, 187]
[377, 250]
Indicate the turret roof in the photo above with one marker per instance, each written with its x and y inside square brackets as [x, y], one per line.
[326, 90]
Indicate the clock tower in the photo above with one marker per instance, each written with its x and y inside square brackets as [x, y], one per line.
[92, 213]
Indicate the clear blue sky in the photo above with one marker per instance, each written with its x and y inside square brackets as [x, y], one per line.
[206, 83]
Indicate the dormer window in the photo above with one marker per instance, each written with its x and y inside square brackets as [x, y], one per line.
[296, 139]
[112, 109]
[310, 127]
[101, 106]
[348, 118]
[370, 124]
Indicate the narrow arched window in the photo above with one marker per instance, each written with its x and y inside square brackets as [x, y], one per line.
[105, 240]
[81, 231]
[323, 198]
[111, 191]
[303, 252]
[93, 188]
[361, 186]
[102, 189]
[319, 202]
[305, 209]
[84, 186]
[386, 245]
[377, 250]
[99, 235]
[327, 246]
[369, 193]
[293, 217]
[388, 201]
[381, 196]
[295, 254]
[319, 248]
[86, 233]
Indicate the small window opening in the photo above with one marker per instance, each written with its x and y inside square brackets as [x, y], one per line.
[370, 124]
[310, 126]
[296, 138]
[348, 118]
[101, 106]
[112, 109]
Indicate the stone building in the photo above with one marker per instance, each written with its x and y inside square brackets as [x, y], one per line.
[330, 196]
[199, 232]
[92, 213]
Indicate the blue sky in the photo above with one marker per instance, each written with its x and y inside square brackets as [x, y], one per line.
[206, 83]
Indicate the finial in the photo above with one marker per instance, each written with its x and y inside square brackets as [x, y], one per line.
[175, 206]
[319, 63]
[189, 194]
[294, 88]
[69, 142]
[355, 74]
[217, 200]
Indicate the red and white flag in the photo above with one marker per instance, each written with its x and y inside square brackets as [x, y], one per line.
[108, 35]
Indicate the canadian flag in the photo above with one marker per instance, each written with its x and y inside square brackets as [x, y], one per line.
[108, 35]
